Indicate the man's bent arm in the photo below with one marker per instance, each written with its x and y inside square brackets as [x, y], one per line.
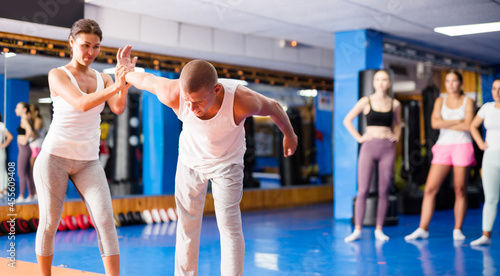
[253, 103]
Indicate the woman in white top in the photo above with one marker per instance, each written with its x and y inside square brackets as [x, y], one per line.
[71, 148]
[489, 114]
[452, 115]
[5, 139]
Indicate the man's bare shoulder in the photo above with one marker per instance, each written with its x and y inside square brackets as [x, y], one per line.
[168, 92]
[246, 101]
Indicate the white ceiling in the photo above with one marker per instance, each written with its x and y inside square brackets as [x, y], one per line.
[315, 22]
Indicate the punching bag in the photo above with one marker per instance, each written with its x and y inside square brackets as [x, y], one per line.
[249, 159]
[410, 198]
[290, 167]
[366, 89]
[127, 153]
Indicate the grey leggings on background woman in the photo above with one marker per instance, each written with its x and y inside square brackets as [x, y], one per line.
[383, 152]
[52, 174]
[24, 170]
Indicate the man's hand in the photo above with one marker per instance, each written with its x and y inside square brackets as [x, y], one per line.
[289, 145]
[123, 58]
[120, 81]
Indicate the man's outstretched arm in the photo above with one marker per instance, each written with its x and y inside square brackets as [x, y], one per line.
[166, 90]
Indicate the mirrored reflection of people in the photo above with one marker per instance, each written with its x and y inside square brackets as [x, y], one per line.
[211, 147]
[452, 115]
[488, 265]
[71, 148]
[426, 257]
[489, 115]
[37, 139]
[383, 128]
[25, 132]
[5, 139]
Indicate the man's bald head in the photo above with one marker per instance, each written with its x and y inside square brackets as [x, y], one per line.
[197, 75]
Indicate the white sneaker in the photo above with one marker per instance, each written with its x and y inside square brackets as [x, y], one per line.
[356, 235]
[380, 236]
[483, 240]
[458, 235]
[417, 234]
[20, 199]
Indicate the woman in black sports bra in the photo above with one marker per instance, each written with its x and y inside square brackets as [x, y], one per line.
[383, 117]
[24, 132]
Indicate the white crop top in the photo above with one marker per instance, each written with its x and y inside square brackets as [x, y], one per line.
[74, 134]
[491, 116]
[449, 136]
[206, 145]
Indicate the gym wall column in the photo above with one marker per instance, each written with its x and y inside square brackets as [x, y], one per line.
[354, 51]
[161, 130]
[324, 125]
[486, 83]
[17, 91]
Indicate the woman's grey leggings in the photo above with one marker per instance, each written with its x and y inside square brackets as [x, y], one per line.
[51, 179]
[24, 170]
[491, 187]
[383, 152]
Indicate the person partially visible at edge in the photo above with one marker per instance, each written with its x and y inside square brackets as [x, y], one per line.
[489, 115]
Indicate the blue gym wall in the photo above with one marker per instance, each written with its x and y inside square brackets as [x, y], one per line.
[17, 91]
[161, 130]
[354, 51]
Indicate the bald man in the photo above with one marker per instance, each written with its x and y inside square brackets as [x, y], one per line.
[211, 147]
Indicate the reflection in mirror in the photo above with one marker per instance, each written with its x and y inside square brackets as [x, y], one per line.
[122, 139]
[121, 146]
[3, 135]
[271, 169]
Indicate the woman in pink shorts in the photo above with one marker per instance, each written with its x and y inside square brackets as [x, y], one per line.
[37, 140]
[452, 115]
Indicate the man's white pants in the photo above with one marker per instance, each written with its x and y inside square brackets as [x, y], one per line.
[190, 192]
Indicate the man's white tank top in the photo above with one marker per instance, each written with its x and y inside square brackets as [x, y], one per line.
[207, 145]
[74, 134]
[449, 136]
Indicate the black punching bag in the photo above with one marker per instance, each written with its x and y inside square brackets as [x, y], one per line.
[410, 198]
[249, 159]
[127, 153]
[290, 167]
[370, 219]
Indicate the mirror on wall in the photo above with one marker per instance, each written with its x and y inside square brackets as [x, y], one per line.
[31, 71]
[121, 136]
